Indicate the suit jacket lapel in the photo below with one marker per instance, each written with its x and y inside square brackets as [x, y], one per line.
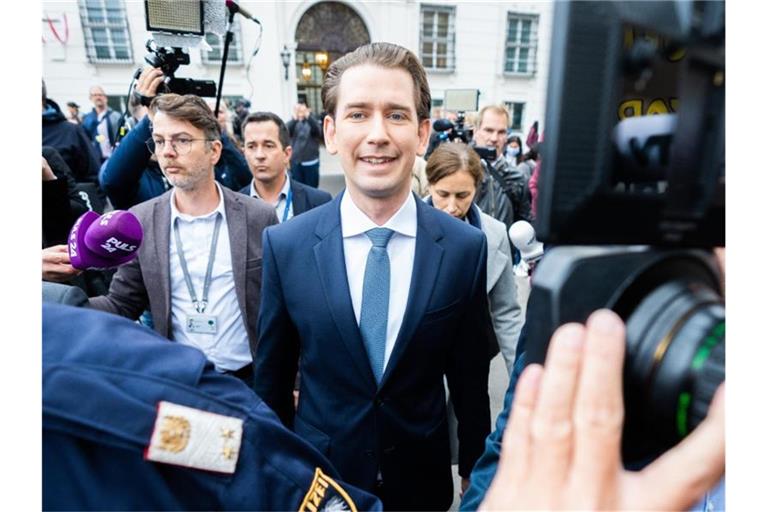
[238, 243]
[299, 199]
[162, 233]
[329, 257]
[426, 267]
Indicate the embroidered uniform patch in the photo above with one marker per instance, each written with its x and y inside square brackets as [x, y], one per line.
[189, 437]
[326, 495]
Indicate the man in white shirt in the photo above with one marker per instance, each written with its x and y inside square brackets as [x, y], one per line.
[268, 153]
[101, 123]
[199, 266]
[375, 297]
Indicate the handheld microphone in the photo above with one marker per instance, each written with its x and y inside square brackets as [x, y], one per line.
[235, 8]
[106, 241]
[523, 237]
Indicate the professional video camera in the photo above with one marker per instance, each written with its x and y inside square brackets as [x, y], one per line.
[169, 60]
[613, 173]
[176, 26]
[459, 101]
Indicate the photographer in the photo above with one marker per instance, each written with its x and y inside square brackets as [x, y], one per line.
[132, 174]
[492, 132]
[305, 132]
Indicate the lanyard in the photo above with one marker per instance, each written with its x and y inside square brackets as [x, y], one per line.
[288, 201]
[199, 305]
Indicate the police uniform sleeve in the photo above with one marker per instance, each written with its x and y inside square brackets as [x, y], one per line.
[131, 421]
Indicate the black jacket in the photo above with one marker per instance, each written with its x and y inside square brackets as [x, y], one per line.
[515, 186]
[62, 204]
[71, 141]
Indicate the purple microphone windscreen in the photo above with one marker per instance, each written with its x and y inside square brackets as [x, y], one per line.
[116, 233]
[97, 242]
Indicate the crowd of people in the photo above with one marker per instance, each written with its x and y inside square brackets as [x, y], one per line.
[335, 333]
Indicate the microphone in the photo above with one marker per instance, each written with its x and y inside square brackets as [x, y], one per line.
[106, 241]
[523, 237]
[235, 8]
[442, 125]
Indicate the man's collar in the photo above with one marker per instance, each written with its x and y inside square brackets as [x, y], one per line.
[283, 191]
[183, 216]
[354, 222]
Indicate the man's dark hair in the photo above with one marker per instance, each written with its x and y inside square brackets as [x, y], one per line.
[263, 117]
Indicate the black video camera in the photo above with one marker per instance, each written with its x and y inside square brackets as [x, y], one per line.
[459, 101]
[453, 132]
[635, 155]
[169, 60]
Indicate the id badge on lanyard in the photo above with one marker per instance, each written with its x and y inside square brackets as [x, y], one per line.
[199, 323]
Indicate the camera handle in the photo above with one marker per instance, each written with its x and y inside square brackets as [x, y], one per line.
[227, 41]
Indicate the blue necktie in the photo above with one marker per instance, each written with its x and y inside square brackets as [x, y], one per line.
[375, 306]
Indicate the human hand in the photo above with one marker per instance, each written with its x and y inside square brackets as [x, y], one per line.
[464, 486]
[47, 171]
[56, 264]
[561, 448]
[148, 82]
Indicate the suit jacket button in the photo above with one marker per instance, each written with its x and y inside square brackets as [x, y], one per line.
[368, 453]
[388, 451]
[379, 402]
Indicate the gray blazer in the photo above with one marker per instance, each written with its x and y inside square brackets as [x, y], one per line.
[506, 313]
[145, 281]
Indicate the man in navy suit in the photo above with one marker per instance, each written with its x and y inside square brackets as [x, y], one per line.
[375, 297]
[268, 153]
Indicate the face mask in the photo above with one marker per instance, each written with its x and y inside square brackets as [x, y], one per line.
[512, 152]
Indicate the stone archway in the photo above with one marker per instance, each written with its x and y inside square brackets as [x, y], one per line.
[328, 29]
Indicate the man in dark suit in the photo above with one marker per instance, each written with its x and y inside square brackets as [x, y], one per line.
[375, 297]
[199, 267]
[268, 153]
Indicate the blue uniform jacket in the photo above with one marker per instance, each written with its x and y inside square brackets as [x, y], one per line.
[103, 378]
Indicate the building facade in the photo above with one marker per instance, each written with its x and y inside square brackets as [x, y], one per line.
[499, 48]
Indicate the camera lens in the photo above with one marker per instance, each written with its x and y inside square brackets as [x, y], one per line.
[675, 360]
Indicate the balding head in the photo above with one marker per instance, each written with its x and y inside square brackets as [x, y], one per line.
[98, 98]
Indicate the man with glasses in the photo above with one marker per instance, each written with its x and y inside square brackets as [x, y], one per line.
[199, 267]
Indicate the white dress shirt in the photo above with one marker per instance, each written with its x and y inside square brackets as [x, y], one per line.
[227, 349]
[282, 199]
[401, 250]
[103, 135]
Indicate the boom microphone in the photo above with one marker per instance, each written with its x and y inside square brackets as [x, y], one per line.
[235, 8]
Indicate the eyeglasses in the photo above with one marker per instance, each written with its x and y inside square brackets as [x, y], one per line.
[181, 146]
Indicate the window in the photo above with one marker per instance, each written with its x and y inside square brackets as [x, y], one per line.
[217, 47]
[105, 26]
[516, 114]
[522, 39]
[438, 37]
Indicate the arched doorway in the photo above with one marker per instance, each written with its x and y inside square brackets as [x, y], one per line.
[325, 32]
